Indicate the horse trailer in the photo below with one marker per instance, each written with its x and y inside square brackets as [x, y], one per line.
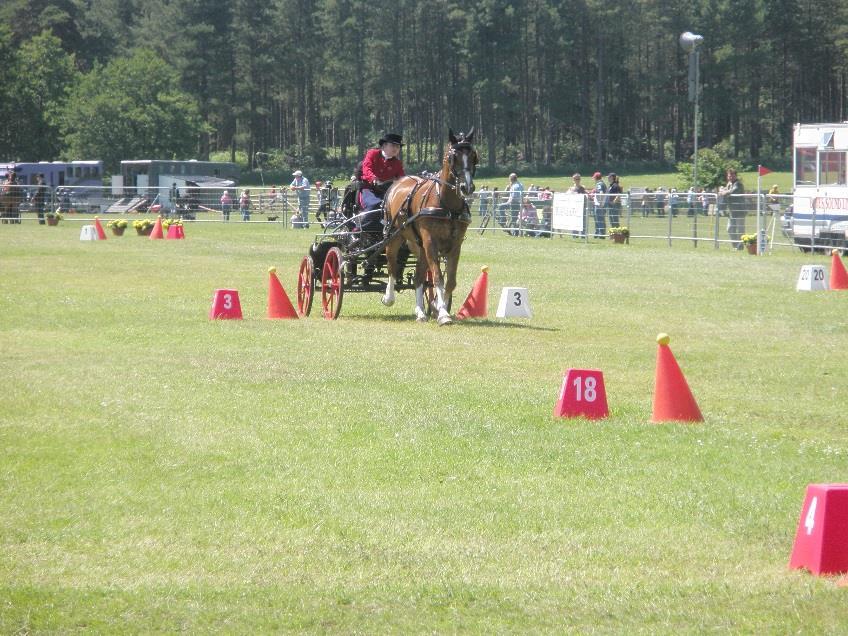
[56, 173]
[819, 217]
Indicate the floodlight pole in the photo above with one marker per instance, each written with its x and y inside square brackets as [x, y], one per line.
[690, 43]
[696, 55]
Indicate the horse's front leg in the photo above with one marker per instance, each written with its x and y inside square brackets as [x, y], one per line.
[450, 273]
[432, 257]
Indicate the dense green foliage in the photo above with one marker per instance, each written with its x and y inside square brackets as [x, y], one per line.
[546, 82]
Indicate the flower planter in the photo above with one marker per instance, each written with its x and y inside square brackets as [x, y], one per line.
[118, 231]
[618, 238]
[52, 220]
[752, 248]
[144, 231]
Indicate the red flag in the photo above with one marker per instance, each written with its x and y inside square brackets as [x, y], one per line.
[763, 171]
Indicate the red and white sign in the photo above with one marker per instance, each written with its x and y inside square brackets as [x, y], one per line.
[225, 305]
[582, 395]
[821, 542]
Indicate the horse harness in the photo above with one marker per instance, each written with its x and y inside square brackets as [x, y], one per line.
[462, 215]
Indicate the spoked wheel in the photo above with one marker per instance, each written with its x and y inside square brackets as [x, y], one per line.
[332, 284]
[305, 286]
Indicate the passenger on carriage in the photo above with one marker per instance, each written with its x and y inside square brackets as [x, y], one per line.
[380, 167]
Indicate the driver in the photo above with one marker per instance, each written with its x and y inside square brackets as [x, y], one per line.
[380, 167]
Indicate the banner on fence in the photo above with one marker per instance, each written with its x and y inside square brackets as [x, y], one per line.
[567, 212]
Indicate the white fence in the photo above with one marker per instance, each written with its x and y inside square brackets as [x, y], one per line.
[670, 217]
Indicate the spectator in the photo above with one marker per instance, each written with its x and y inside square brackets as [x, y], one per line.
[485, 197]
[512, 205]
[39, 198]
[704, 199]
[576, 188]
[673, 201]
[772, 194]
[614, 193]
[660, 199]
[529, 218]
[174, 196]
[63, 198]
[691, 201]
[734, 203]
[600, 196]
[226, 205]
[300, 184]
[773, 199]
[647, 202]
[244, 205]
[546, 204]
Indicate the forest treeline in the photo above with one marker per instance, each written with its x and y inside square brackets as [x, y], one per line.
[545, 83]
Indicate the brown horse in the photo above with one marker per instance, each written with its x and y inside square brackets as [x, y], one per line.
[431, 215]
[11, 197]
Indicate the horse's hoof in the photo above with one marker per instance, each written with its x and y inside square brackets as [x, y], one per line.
[444, 320]
[421, 319]
[388, 302]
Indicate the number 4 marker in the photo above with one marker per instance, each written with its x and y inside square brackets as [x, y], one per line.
[810, 521]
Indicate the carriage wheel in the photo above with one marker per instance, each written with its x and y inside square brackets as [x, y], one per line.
[332, 284]
[429, 294]
[305, 286]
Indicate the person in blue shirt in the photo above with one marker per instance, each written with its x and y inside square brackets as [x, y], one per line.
[600, 196]
[512, 205]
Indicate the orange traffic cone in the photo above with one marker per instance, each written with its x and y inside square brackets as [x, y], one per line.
[838, 275]
[157, 229]
[279, 305]
[673, 401]
[477, 303]
[101, 234]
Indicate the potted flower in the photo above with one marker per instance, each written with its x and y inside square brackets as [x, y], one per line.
[53, 218]
[620, 234]
[143, 227]
[750, 242]
[118, 226]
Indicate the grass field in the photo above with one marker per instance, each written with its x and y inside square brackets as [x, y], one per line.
[164, 472]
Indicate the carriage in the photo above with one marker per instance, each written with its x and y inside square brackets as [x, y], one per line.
[425, 220]
[338, 262]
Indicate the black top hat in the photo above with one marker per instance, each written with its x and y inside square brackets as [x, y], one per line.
[391, 138]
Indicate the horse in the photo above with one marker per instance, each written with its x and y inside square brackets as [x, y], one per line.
[11, 197]
[430, 215]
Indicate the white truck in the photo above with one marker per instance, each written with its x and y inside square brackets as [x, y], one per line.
[819, 217]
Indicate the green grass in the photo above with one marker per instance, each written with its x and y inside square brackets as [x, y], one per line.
[164, 472]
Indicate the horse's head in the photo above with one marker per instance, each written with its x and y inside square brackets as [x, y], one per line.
[463, 160]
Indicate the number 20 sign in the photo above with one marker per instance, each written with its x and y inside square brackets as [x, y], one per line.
[582, 395]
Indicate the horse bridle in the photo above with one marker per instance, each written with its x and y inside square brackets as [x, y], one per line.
[468, 153]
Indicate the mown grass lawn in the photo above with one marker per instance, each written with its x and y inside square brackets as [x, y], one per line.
[164, 472]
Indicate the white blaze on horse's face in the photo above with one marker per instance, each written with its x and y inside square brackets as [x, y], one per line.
[468, 187]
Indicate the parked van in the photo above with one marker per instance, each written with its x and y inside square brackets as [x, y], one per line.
[819, 216]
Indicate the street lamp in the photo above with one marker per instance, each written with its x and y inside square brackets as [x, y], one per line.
[690, 42]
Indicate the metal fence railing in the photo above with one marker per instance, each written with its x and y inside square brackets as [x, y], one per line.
[700, 219]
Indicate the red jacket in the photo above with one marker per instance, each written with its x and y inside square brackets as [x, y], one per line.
[375, 167]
